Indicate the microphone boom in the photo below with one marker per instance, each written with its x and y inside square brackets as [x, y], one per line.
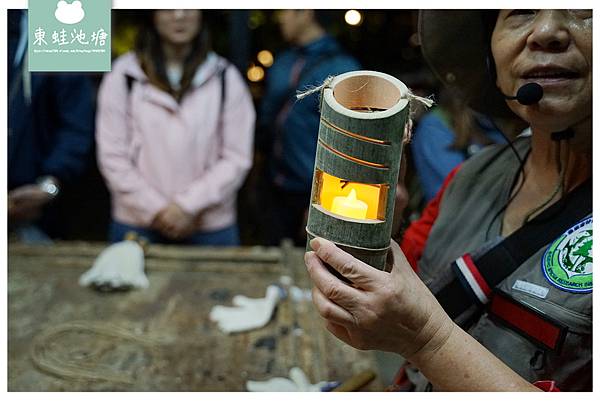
[528, 94]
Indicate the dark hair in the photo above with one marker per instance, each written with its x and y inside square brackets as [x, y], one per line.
[489, 18]
[151, 57]
[462, 120]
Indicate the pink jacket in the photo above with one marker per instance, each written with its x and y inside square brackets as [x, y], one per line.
[153, 151]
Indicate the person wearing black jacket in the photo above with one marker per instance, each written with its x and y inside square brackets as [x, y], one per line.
[50, 135]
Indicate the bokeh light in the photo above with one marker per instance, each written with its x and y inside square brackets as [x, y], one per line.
[265, 57]
[353, 17]
[255, 73]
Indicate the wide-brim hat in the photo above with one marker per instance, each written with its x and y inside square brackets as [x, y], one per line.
[454, 44]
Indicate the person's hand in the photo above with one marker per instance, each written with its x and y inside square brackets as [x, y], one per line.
[25, 203]
[392, 312]
[173, 222]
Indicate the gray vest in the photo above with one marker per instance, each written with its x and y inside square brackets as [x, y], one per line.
[464, 224]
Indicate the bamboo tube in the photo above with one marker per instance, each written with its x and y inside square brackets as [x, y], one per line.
[363, 119]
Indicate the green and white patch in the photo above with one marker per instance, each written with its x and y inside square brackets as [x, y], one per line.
[567, 263]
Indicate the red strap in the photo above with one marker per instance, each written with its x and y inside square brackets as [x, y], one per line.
[547, 385]
[527, 321]
[415, 236]
[478, 277]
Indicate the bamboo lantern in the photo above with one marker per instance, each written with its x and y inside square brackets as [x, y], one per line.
[363, 120]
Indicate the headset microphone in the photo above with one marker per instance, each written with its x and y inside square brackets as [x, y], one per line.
[532, 93]
[528, 94]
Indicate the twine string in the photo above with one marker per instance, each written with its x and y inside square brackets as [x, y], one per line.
[314, 89]
[413, 100]
[427, 102]
[301, 94]
[61, 366]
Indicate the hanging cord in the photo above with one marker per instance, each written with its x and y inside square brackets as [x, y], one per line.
[413, 99]
[518, 182]
[425, 101]
[314, 89]
[560, 186]
[520, 174]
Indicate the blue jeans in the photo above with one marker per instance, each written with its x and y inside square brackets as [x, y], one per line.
[228, 236]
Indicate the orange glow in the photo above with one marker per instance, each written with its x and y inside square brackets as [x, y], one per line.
[265, 57]
[333, 187]
[255, 73]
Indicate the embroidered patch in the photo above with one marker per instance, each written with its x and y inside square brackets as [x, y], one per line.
[567, 263]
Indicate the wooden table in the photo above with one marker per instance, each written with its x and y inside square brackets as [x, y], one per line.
[62, 337]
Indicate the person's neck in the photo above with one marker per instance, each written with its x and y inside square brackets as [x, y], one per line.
[175, 55]
[310, 34]
[552, 169]
[573, 155]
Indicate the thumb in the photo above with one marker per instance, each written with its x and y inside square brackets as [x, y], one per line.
[400, 265]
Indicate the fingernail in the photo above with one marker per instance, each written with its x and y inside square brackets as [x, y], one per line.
[306, 259]
[315, 244]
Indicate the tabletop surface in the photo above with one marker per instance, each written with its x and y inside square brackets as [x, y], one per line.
[63, 337]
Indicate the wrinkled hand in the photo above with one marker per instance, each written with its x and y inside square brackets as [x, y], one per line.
[173, 222]
[25, 203]
[392, 312]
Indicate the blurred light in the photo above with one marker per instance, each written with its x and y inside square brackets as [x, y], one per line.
[353, 17]
[255, 73]
[256, 19]
[265, 57]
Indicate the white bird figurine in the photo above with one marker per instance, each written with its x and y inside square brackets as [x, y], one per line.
[118, 267]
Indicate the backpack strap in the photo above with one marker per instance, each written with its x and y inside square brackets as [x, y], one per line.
[222, 77]
[476, 276]
[129, 81]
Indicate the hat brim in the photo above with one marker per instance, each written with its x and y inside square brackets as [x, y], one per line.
[453, 44]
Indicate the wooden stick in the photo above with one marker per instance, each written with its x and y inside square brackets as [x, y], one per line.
[356, 382]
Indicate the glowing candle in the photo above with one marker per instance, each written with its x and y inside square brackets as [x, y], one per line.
[349, 206]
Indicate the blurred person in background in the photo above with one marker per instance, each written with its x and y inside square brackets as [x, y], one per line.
[289, 128]
[50, 136]
[445, 137]
[174, 135]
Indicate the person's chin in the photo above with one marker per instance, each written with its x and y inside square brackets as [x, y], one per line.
[552, 115]
[180, 40]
